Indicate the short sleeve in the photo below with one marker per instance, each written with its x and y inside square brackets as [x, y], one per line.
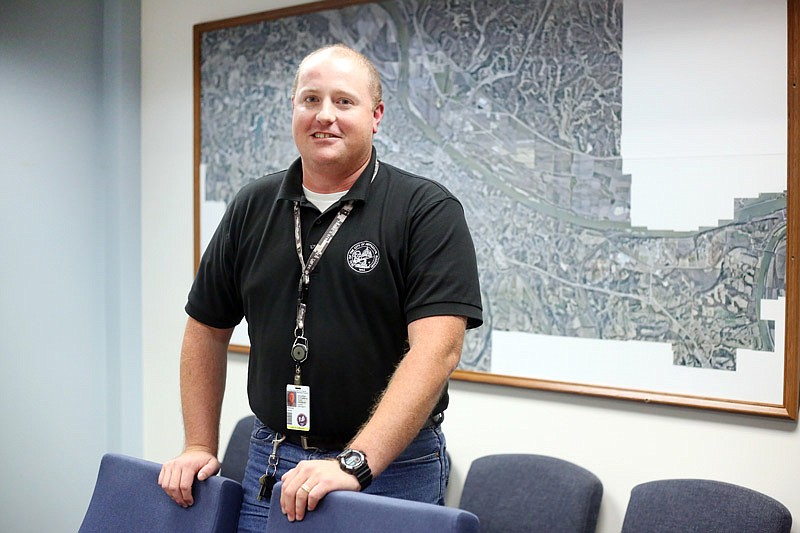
[214, 298]
[443, 274]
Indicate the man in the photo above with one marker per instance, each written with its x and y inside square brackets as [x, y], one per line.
[352, 274]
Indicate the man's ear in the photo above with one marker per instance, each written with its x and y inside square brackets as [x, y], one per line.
[377, 116]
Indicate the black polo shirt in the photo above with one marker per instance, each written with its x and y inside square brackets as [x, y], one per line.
[404, 253]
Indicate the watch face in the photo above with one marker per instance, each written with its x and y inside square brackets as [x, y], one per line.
[353, 459]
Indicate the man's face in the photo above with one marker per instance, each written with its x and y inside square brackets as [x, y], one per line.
[333, 116]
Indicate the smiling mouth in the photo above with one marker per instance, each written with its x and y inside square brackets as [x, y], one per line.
[323, 136]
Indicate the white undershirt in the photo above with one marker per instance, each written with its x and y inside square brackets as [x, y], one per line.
[323, 201]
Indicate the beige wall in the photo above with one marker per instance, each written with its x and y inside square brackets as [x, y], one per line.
[624, 443]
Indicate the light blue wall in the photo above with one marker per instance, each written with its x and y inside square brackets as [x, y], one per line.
[70, 312]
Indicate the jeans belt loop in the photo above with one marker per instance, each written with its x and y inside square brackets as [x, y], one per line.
[304, 444]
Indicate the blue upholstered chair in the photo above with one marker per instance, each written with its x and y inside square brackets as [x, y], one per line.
[354, 512]
[531, 493]
[702, 506]
[127, 498]
[235, 460]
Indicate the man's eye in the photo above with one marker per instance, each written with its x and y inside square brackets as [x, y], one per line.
[346, 101]
[311, 99]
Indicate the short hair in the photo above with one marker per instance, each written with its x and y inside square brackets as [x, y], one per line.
[373, 76]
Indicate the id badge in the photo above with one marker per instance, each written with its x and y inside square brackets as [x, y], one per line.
[298, 407]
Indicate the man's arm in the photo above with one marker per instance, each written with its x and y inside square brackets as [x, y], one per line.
[407, 402]
[203, 370]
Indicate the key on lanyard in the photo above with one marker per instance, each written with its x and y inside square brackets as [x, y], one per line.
[268, 480]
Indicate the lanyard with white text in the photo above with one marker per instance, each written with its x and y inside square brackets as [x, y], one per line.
[300, 347]
[299, 351]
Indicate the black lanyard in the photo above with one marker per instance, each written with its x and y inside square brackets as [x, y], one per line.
[300, 347]
[299, 351]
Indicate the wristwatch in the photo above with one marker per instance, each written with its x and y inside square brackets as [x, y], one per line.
[354, 462]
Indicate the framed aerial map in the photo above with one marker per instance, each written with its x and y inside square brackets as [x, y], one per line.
[627, 168]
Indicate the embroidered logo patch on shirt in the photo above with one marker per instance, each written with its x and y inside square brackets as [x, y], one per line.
[363, 257]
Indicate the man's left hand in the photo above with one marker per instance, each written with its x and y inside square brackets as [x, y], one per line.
[307, 483]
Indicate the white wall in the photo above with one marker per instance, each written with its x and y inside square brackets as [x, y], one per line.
[69, 284]
[622, 442]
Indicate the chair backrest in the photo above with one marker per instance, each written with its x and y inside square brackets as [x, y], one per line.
[235, 460]
[702, 505]
[127, 498]
[351, 512]
[527, 492]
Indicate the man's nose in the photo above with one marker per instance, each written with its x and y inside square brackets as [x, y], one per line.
[327, 112]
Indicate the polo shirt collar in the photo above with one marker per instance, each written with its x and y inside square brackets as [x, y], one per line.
[292, 185]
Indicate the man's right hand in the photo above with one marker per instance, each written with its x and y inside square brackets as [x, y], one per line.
[177, 475]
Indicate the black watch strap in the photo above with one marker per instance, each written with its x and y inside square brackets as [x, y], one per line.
[364, 476]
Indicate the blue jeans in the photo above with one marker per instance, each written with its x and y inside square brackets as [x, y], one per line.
[420, 473]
